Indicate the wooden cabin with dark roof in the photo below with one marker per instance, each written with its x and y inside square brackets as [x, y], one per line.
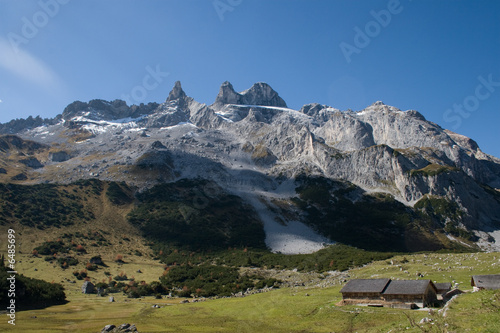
[390, 293]
[490, 282]
[442, 288]
[364, 291]
[419, 292]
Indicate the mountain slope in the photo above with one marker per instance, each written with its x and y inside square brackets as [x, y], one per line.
[429, 180]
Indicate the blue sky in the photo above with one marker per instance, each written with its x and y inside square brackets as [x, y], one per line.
[438, 57]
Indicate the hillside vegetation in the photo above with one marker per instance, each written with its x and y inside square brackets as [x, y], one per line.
[296, 309]
[376, 221]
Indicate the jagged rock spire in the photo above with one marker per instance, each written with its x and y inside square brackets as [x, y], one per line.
[176, 92]
[262, 94]
[227, 95]
[259, 94]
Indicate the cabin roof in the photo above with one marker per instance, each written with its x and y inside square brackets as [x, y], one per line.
[407, 287]
[365, 286]
[443, 286]
[491, 281]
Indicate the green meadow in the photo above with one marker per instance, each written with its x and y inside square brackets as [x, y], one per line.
[288, 309]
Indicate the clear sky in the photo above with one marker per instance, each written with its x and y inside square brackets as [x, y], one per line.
[438, 57]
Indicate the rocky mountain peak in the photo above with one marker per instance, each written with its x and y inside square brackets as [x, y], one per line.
[176, 92]
[227, 95]
[262, 94]
[259, 94]
[105, 109]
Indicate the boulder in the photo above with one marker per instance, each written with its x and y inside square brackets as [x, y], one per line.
[108, 328]
[88, 288]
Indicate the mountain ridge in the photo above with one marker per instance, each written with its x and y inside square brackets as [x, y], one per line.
[252, 145]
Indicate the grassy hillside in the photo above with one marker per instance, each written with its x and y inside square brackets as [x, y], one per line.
[297, 309]
[186, 238]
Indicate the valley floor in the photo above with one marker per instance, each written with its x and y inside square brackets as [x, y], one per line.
[289, 309]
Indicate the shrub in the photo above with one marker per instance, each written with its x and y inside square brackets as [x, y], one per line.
[49, 248]
[208, 280]
[64, 262]
[133, 294]
[80, 248]
[91, 267]
[97, 260]
[121, 277]
[79, 275]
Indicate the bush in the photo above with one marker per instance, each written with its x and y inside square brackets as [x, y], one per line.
[80, 248]
[49, 248]
[133, 294]
[97, 260]
[121, 277]
[91, 267]
[207, 280]
[80, 275]
[65, 262]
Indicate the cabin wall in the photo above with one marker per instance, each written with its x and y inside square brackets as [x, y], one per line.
[374, 296]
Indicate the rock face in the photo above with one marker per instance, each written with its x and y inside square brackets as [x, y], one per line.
[259, 94]
[59, 156]
[88, 288]
[250, 142]
[98, 109]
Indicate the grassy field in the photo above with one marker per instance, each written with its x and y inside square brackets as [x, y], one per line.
[298, 309]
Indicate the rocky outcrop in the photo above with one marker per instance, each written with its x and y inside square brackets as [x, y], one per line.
[123, 328]
[14, 143]
[88, 288]
[59, 156]
[259, 94]
[32, 162]
[99, 109]
[155, 159]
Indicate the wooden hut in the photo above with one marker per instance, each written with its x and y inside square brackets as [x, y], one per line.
[490, 282]
[364, 291]
[442, 288]
[391, 293]
[419, 292]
